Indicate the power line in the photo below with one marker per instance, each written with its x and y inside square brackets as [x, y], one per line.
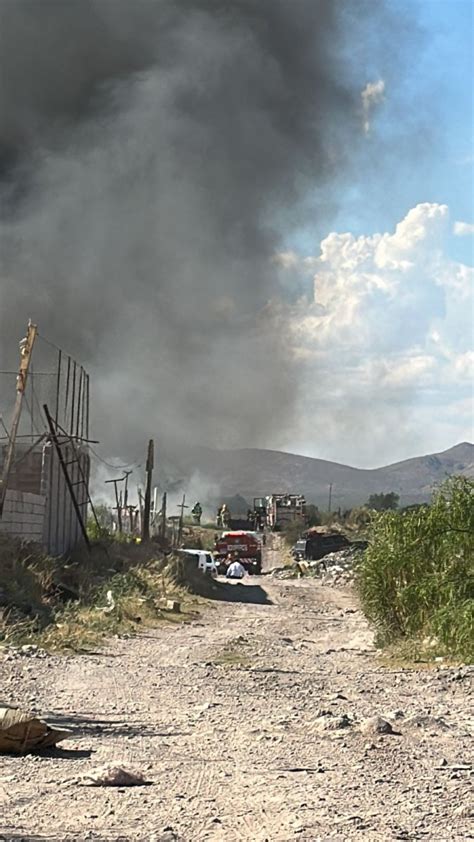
[133, 464]
[48, 342]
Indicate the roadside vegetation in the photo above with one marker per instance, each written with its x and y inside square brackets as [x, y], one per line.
[74, 603]
[416, 579]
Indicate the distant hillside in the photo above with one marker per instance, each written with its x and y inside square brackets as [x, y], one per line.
[252, 472]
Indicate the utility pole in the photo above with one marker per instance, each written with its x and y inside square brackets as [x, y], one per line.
[181, 518]
[125, 493]
[149, 474]
[118, 504]
[26, 348]
[330, 497]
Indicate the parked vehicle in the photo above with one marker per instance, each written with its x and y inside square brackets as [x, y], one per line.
[319, 544]
[315, 545]
[275, 511]
[298, 551]
[205, 560]
[246, 547]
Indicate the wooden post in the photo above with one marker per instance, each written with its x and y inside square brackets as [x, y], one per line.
[181, 518]
[149, 474]
[26, 348]
[125, 494]
[132, 514]
[118, 504]
[163, 517]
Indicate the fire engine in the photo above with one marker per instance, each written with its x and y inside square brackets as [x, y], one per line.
[276, 510]
[247, 546]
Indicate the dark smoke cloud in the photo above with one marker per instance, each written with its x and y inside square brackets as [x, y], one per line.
[153, 154]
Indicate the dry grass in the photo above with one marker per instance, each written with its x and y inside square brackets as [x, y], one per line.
[72, 604]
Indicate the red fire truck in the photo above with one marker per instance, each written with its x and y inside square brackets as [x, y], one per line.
[247, 546]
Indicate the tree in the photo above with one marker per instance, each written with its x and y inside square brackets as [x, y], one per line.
[383, 502]
[313, 515]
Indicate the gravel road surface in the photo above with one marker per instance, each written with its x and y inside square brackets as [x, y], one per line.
[250, 724]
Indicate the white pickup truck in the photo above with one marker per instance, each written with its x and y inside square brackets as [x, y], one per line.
[205, 560]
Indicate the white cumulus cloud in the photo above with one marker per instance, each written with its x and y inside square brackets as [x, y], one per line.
[463, 229]
[386, 336]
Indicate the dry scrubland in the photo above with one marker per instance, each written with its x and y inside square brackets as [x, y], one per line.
[72, 605]
[252, 723]
[261, 711]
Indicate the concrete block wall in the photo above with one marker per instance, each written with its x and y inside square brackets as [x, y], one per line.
[25, 474]
[38, 505]
[24, 515]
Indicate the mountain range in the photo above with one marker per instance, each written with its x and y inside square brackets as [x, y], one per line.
[253, 472]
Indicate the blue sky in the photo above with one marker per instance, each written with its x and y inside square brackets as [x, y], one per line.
[388, 336]
[421, 144]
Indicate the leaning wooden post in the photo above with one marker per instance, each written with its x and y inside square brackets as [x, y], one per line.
[26, 348]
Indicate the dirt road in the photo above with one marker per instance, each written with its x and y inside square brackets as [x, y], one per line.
[248, 722]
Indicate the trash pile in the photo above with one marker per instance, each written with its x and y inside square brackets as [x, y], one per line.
[334, 569]
[340, 567]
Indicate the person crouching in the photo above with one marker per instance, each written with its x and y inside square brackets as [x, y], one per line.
[235, 570]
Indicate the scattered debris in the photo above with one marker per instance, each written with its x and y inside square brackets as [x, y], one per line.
[28, 650]
[173, 605]
[110, 607]
[424, 720]
[21, 733]
[336, 568]
[335, 723]
[113, 776]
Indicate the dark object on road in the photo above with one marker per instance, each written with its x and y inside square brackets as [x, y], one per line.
[21, 733]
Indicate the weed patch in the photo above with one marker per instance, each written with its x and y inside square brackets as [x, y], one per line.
[73, 603]
[416, 579]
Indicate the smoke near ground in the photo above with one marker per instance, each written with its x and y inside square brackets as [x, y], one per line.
[153, 155]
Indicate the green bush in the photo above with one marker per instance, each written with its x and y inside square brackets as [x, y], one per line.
[417, 575]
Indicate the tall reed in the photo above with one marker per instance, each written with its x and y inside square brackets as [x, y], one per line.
[417, 576]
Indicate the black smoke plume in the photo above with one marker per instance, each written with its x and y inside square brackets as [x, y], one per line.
[153, 155]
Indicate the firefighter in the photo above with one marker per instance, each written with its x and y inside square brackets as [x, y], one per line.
[196, 512]
[225, 517]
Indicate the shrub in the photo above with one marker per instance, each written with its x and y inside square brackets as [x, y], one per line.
[417, 576]
[383, 502]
